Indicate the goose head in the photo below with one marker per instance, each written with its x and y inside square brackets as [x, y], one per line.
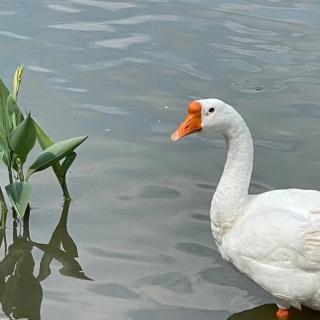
[209, 115]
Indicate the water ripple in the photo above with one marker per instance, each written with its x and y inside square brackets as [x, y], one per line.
[206, 186]
[230, 278]
[158, 127]
[159, 192]
[191, 70]
[241, 65]
[248, 86]
[239, 28]
[107, 5]
[39, 69]
[56, 80]
[115, 290]
[131, 256]
[286, 146]
[60, 7]
[278, 145]
[58, 296]
[195, 249]
[181, 64]
[304, 110]
[177, 313]
[109, 64]
[70, 89]
[173, 281]
[122, 43]
[83, 26]
[102, 109]
[246, 40]
[62, 47]
[7, 13]
[201, 217]
[13, 35]
[146, 19]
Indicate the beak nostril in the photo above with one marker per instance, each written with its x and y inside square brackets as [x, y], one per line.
[187, 126]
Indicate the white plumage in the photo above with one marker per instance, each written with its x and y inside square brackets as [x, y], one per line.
[273, 237]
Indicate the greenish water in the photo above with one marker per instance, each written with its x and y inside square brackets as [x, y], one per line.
[124, 72]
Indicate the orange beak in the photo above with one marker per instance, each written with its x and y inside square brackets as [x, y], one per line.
[191, 124]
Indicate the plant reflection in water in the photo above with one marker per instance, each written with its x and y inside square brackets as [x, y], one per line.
[268, 312]
[20, 290]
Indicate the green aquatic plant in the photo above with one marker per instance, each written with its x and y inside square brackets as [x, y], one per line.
[18, 136]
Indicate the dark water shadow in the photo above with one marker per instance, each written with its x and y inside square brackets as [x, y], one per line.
[20, 290]
[268, 312]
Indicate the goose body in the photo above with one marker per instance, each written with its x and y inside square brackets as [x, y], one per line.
[277, 244]
[272, 237]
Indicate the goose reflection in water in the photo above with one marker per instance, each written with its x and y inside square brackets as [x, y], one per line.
[268, 312]
[20, 290]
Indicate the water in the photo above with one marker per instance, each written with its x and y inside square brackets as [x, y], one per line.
[123, 72]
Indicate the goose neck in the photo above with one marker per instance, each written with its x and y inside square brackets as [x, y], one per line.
[232, 192]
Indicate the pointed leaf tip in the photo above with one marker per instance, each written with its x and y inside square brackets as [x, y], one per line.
[54, 153]
[17, 80]
[19, 194]
[23, 138]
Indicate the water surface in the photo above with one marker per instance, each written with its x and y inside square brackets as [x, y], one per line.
[123, 72]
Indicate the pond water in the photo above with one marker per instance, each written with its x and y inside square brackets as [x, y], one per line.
[123, 73]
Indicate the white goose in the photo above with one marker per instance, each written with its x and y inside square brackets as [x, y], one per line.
[272, 237]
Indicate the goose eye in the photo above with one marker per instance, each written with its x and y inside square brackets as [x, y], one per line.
[211, 110]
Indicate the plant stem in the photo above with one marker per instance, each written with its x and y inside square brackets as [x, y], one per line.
[64, 186]
[14, 223]
[5, 243]
[10, 160]
[3, 215]
[21, 175]
[26, 217]
[10, 175]
[4, 209]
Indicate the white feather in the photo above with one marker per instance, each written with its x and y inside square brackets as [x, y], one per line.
[273, 237]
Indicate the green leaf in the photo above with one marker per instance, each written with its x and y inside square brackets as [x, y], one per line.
[14, 111]
[1, 153]
[66, 164]
[54, 153]
[19, 194]
[4, 146]
[17, 80]
[43, 138]
[23, 138]
[4, 93]
[6, 124]
[60, 170]
[45, 142]
[4, 210]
